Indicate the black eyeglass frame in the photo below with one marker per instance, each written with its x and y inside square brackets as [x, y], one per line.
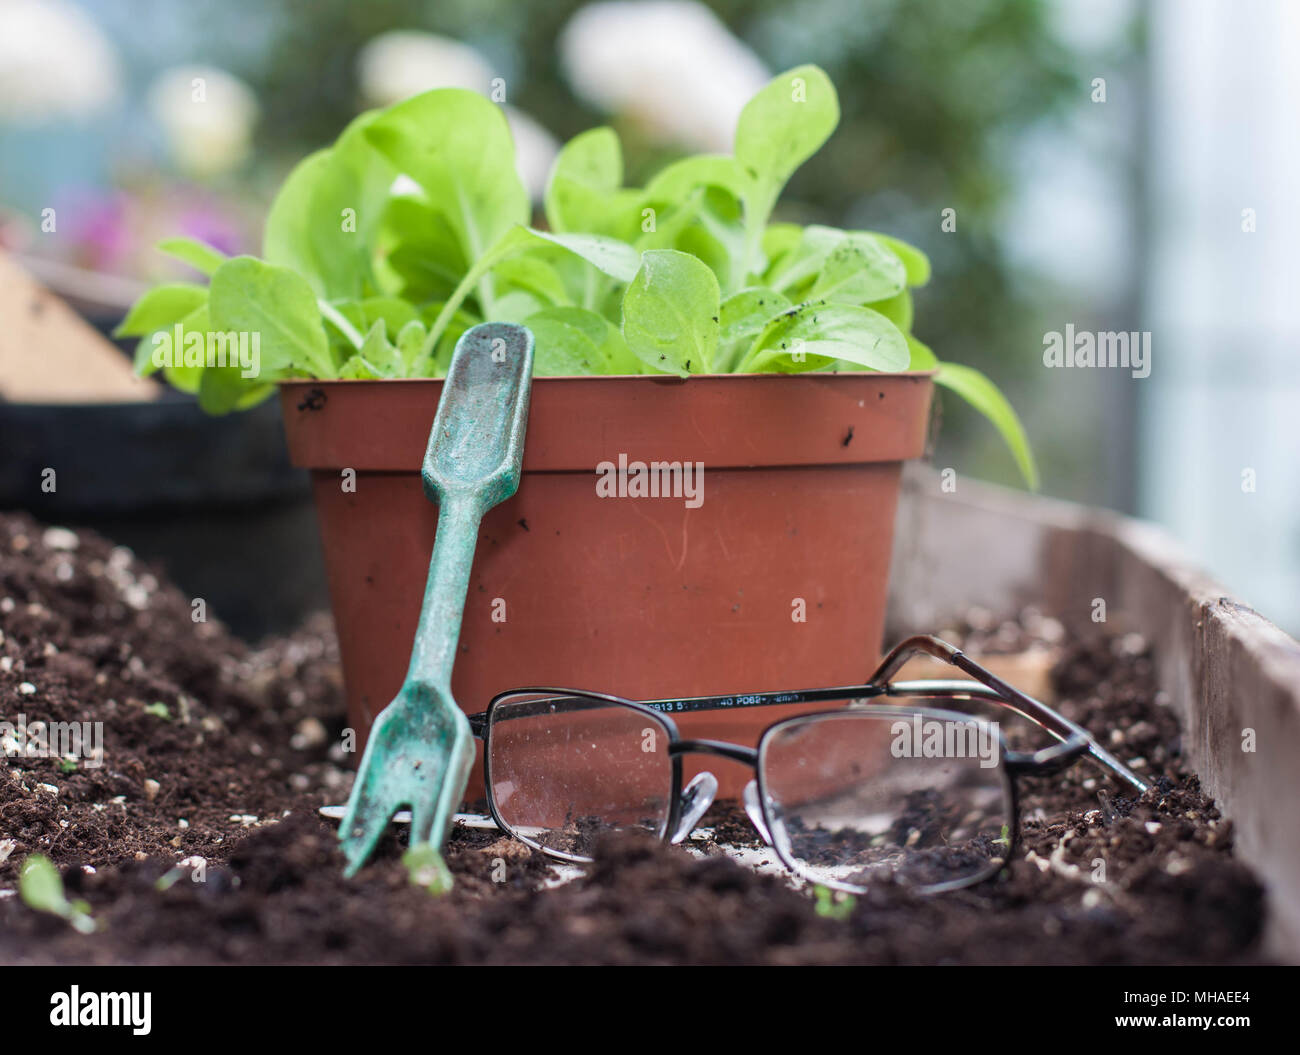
[1074, 742]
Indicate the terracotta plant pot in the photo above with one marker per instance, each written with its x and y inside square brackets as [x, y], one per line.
[638, 596]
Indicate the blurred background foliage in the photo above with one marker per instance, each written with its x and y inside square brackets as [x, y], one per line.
[937, 98]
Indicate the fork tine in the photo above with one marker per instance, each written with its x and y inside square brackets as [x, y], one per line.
[366, 818]
[430, 819]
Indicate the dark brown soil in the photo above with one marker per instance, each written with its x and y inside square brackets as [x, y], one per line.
[234, 771]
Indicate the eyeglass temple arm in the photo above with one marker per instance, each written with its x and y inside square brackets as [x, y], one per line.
[999, 692]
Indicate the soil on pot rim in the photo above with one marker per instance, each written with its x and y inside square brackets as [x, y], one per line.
[233, 765]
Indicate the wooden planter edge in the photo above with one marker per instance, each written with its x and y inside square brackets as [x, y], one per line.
[1229, 673]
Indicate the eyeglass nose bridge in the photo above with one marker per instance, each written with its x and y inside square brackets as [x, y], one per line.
[696, 799]
[704, 787]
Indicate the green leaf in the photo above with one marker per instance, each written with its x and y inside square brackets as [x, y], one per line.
[516, 305]
[420, 250]
[806, 337]
[222, 389]
[533, 274]
[779, 239]
[41, 888]
[160, 307]
[785, 124]
[325, 219]
[915, 262]
[562, 349]
[984, 396]
[251, 296]
[173, 343]
[456, 145]
[898, 309]
[670, 313]
[394, 312]
[616, 259]
[708, 225]
[356, 368]
[779, 129]
[586, 172]
[572, 341]
[377, 356]
[922, 357]
[348, 207]
[802, 262]
[199, 255]
[859, 270]
[747, 312]
[743, 316]
[156, 319]
[286, 236]
[676, 182]
[410, 346]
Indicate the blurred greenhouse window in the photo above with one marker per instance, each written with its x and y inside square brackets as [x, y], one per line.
[1221, 414]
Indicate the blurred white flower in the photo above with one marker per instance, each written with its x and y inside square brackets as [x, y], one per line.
[54, 62]
[394, 66]
[208, 116]
[670, 64]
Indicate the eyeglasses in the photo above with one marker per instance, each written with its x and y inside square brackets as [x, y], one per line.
[913, 790]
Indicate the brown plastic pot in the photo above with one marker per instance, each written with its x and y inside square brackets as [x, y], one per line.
[640, 597]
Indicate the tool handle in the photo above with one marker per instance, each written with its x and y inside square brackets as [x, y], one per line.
[438, 632]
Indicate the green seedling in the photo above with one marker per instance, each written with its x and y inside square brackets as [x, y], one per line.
[159, 710]
[427, 869]
[833, 904]
[67, 765]
[363, 275]
[41, 888]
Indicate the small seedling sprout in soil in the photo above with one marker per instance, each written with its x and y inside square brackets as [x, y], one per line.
[833, 904]
[41, 888]
[690, 274]
[427, 869]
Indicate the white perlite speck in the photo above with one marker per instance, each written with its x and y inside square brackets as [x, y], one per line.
[60, 538]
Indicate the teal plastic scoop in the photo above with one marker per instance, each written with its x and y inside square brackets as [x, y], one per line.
[420, 748]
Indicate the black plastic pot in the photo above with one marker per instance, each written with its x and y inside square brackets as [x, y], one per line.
[214, 499]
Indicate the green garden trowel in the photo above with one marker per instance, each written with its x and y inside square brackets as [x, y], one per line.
[420, 748]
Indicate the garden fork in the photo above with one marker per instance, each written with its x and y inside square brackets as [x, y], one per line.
[420, 748]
